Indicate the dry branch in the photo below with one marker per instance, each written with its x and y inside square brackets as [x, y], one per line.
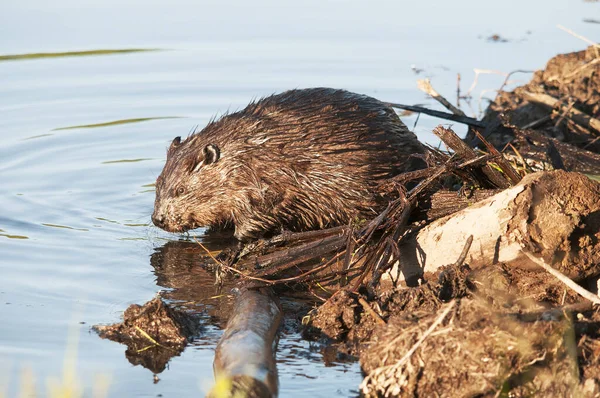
[442, 115]
[425, 85]
[465, 152]
[534, 146]
[565, 279]
[575, 114]
[384, 376]
[244, 357]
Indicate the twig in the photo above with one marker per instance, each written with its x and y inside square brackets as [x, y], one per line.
[285, 259]
[298, 278]
[479, 72]
[433, 326]
[371, 311]
[526, 166]
[536, 123]
[458, 90]
[481, 97]
[288, 237]
[510, 74]
[391, 245]
[228, 268]
[592, 142]
[207, 251]
[147, 336]
[465, 152]
[585, 39]
[563, 115]
[582, 67]
[576, 115]
[507, 169]
[442, 115]
[564, 279]
[399, 363]
[425, 85]
[591, 20]
[465, 251]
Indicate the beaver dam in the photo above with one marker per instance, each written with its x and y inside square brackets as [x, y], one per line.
[478, 278]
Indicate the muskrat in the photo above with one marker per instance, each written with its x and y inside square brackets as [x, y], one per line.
[300, 160]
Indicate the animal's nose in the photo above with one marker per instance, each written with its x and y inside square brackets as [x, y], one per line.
[158, 220]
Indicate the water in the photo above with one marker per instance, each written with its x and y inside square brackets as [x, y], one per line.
[75, 202]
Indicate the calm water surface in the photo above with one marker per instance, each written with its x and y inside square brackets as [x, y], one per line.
[83, 139]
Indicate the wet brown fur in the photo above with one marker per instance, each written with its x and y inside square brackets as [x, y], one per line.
[300, 160]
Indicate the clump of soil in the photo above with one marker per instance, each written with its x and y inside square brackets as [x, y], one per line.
[350, 319]
[153, 333]
[519, 290]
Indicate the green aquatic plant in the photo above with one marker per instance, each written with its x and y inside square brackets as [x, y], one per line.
[116, 122]
[29, 56]
[126, 160]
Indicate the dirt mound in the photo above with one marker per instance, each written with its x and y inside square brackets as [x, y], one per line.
[468, 349]
[153, 333]
[350, 319]
[497, 329]
[552, 122]
[562, 101]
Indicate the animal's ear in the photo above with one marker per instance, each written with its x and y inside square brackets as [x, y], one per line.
[212, 153]
[174, 144]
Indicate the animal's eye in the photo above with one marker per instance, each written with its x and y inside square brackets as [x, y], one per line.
[180, 191]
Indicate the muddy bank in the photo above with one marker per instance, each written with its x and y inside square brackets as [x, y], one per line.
[468, 349]
[470, 333]
[486, 324]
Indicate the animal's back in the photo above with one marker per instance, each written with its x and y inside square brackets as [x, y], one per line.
[303, 159]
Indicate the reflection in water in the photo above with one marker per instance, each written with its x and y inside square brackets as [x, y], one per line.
[181, 267]
[161, 328]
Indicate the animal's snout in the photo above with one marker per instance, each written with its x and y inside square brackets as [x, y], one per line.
[158, 220]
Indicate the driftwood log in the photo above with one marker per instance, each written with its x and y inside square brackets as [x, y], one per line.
[244, 362]
[553, 215]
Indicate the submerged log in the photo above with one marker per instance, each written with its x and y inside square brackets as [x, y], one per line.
[244, 362]
[555, 215]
